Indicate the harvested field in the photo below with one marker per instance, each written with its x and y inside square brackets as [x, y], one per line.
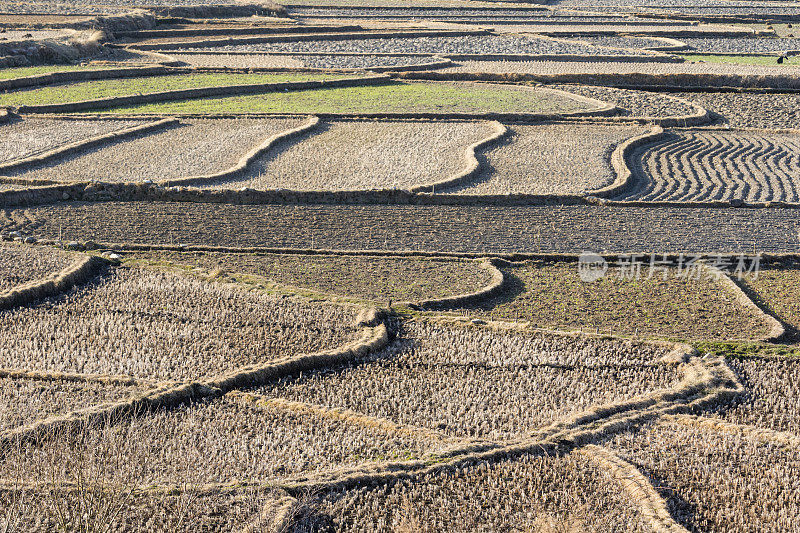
[47, 8]
[394, 97]
[20, 264]
[31, 35]
[741, 45]
[23, 401]
[367, 155]
[717, 481]
[551, 159]
[552, 295]
[472, 382]
[419, 11]
[222, 440]
[33, 135]
[470, 44]
[568, 229]
[778, 289]
[622, 41]
[127, 322]
[91, 90]
[633, 103]
[310, 61]
[565, 493]
[772, 394]
[743, 60]
[599, 67]
[191, 148]
[641, 26]
[718, 165]
[750, 110]
[379, 279]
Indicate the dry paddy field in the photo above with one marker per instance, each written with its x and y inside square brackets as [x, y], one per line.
[366, 155]
[551, 159]
[20, 264]
[750, 110]
[323, 61]
[186, 149]
[718, 165]
[486, 229]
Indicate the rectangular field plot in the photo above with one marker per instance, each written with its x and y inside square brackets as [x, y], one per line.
[379, 279]
[717, 481]
[553, 295]
[191, 148]
[162, 326]
[469, 382]
[33, 135]
[20, 264]
[367, 155]
[529, 493]
[563, 229]
[551, 159]
[394, 97]
[778, 290]
[91, 90]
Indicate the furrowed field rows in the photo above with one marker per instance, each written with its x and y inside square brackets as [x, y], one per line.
[479, 383]
[565, 493]
[128, 320]
[380, 279]
[660, 303]
[435, 228]
[190, 148]
[34, 135]
[21, 264]
[717, 481]
[705, 166]
[551, 159]
[366, 155]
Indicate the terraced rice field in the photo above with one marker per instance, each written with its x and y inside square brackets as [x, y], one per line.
[633, 103]
[750, 110]
[565, 229]
[366, 155]
[206, 147]
[379, 279]
[551, 159]
[777, 289]
[33, 135]
[661, 302]
[20, 264]
[718, 165]
[742, 45]
[295, 61]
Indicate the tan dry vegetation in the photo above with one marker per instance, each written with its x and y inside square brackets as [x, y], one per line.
[553, 295]
[163, 326]
[20, 263]
[366, 155]
[551, 159]
[375, 278]
[192, 148]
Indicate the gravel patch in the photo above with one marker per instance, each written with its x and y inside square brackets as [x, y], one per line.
[705, 166]
[750, 110]
[621, 41]
[753, 45]
[471, 44]
[586, 67]
[47, 8]
[315, 61]
[651, 27]
[192, 148]
[367, 155]
[420, 13]
[30, 136]
[20, 263]
[551, 159]
[567, 229]
[632, 103]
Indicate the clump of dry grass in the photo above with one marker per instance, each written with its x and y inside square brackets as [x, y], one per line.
[161, 325]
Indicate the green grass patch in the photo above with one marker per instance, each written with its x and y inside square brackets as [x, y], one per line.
[91, 90]
[395, 97]
[748, 349]
[741, 60]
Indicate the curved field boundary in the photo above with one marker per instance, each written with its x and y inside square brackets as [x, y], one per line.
[289, 38]
[204, 92]
[276, 516]
[639, 81]
[373, 338]
[473, 164]
[82, 75]
[624, 180]
[780, 438]
[651, 505]
[77, 146]
[78, 273]
[248, 158]
[777, 331]
[495, 286]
